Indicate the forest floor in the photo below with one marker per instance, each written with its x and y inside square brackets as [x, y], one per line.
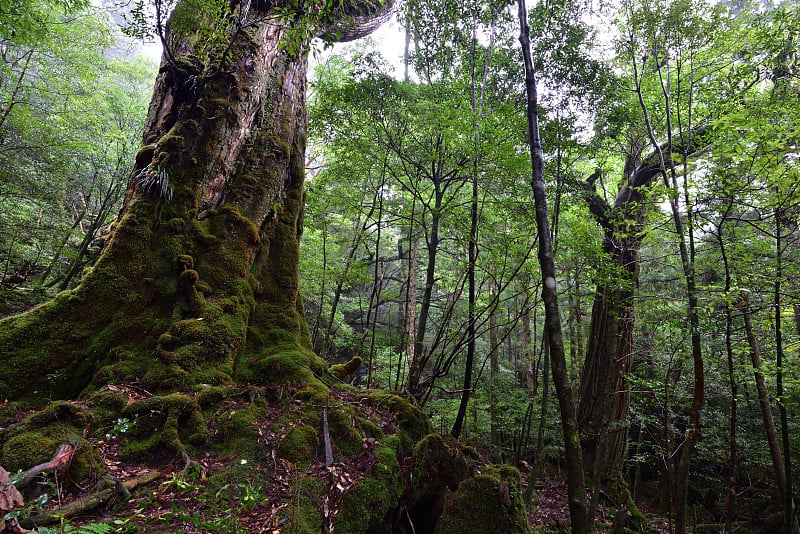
[172, 495]
[179, 500]
[548, 510]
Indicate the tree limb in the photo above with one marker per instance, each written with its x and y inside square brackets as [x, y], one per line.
[60, 459]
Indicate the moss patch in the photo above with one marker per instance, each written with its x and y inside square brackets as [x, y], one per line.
[377, 496]
[170, 422]
[413, 423]
[299, 445]
[343, 370]
[489, 502]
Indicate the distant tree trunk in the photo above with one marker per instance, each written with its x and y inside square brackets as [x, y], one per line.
[788, 497]
[359, 230]
[472, 248]
[494, 367]
[538, 454]
[530, 360]
[417, 364]
[733, 455]
[764, 403]
[315, 332]
[575, 324]
[410, 305]
[472, 252]
[110, 199]
[199, 283]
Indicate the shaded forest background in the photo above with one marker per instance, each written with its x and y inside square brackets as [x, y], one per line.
[669, 134]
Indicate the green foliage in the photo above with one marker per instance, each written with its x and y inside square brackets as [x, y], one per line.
[67, 528]
[66, 147]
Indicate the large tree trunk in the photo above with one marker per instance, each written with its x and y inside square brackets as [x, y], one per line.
[199, 283]
[604, 395]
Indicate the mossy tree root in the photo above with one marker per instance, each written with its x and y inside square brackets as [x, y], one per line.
[165, 422]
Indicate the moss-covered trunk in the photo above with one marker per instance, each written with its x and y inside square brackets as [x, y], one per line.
[199, 281]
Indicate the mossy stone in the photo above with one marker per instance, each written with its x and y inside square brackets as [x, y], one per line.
[372, 503]
[487, 503]
[437, 467]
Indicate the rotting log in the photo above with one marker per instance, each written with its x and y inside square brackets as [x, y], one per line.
[88, 503]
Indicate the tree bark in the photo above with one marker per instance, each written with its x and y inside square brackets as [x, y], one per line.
[764, 404]
[604, 393]
[199, 283]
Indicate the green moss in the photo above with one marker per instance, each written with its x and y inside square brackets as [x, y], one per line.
[489, 502]
[86, 464]
[210, 396]
[285, 367]
[304, 513]
[28, 449]
[299, 445]
[168, 422]
[314, 392]
[438, 467]
[235, 434]
[413, 423]
[9, 411]
[344, 435]
[377, 496]
[59, 411]
[343, 370]
[106, 406]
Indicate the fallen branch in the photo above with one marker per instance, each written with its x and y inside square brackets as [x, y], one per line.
[60, 459]
[326, 436]
[87, 503]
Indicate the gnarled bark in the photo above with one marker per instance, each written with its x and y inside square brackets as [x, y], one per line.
[199, 281]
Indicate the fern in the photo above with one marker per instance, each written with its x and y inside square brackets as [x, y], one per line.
[95, 528]
[92, 528]
[154, 183]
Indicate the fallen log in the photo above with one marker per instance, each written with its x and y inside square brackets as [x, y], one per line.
[87, 503]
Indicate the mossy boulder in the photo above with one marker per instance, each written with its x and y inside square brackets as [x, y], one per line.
[28, 449]
[490, 502]
[343, 370]
[438, 466]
